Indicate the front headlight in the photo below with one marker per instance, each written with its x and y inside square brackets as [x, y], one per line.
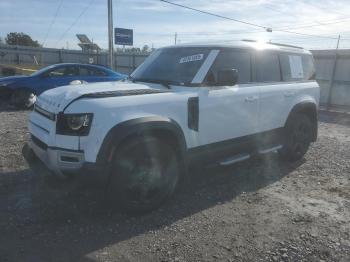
[73, 124]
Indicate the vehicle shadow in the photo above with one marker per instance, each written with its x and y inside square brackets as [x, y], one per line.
[75, 221]
[334, 118]
[6, 107]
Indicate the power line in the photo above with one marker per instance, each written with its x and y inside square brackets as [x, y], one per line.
[311, 35]
[318, 23]
[244, 22]
[212, 14]
[300, 26]
[328, 9]
[52, 21]
[344, 20]
[282, 12]
[75, 21]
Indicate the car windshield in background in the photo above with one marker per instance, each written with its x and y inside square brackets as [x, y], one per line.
[173, 65]
[43, 70]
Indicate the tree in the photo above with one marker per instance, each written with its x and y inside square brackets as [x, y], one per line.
[15, 38]
[145, 49]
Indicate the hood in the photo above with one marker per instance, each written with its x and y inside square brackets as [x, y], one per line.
[10, 79]
[57, 99]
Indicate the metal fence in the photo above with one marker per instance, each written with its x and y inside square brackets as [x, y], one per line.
[332, 67]
[39, 57]
[333, 75]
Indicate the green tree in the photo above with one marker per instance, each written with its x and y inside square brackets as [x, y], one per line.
[145, 49]
[15, 38]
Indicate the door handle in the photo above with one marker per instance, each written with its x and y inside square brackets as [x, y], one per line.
[251, 99]
[289, 94]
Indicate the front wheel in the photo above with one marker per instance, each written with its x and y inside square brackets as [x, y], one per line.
[23, 98]
[145, 172]
[298, 136]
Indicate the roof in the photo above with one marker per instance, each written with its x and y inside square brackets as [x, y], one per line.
[80, 64]
[248, 44]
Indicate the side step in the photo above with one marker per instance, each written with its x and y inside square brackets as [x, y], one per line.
[235, 159]
[242, 157]
[268, 150]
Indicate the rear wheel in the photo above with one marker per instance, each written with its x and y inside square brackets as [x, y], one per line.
[145, 173]
[23, 98]
[298, 136]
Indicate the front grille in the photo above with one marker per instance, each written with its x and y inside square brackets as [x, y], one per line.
[44, 113]
[38, 142]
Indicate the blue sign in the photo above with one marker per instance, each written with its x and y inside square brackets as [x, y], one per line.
[123, 36]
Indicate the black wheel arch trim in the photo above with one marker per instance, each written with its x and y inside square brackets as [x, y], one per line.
[141, 126]
[310, 108]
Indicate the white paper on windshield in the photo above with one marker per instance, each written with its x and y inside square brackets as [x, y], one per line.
[191, 58]
[296, 66]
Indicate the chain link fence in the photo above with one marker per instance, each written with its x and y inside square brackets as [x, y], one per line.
[332, 66]
[19, 57]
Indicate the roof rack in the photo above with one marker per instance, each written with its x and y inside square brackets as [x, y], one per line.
[286, 45]
[249, 40]
[273, 43]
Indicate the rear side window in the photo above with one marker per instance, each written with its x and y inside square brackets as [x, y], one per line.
[267, 67]
[84, 71]
[231, 59]
[87, 71]
[97, 72]
[71, 71]
[297, 67]
[309, 67]
[65, 71]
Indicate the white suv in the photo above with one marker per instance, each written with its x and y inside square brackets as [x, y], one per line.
[186, 104]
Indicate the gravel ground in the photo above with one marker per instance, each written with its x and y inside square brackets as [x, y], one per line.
[259, 210]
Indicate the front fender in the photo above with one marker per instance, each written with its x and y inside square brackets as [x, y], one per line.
[140, 126]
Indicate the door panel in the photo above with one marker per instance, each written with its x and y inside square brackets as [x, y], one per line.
[228, 113]
[275, 103]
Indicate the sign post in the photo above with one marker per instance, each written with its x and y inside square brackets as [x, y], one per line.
[110, 35]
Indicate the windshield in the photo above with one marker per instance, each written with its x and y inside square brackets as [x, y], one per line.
[42, 70]
[185, 65]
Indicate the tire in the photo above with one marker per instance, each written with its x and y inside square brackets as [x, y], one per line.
[145, 173]
[28, 153]
[22, 98]
[298, 137]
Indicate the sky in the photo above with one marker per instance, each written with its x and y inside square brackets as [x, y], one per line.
[55, 23]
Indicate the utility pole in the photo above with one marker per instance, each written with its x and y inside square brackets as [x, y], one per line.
[332, 76]
[175, 38]
[110, 35]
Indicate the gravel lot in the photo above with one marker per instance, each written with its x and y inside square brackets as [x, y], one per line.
[259, 210]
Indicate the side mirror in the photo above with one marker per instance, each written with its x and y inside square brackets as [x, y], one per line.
[227, 77]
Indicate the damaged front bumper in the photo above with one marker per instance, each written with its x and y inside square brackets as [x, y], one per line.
[58, 160]
[64, 163]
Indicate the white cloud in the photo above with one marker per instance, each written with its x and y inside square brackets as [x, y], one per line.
[156, 22]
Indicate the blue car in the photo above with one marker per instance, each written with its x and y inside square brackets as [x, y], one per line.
[22, 90]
